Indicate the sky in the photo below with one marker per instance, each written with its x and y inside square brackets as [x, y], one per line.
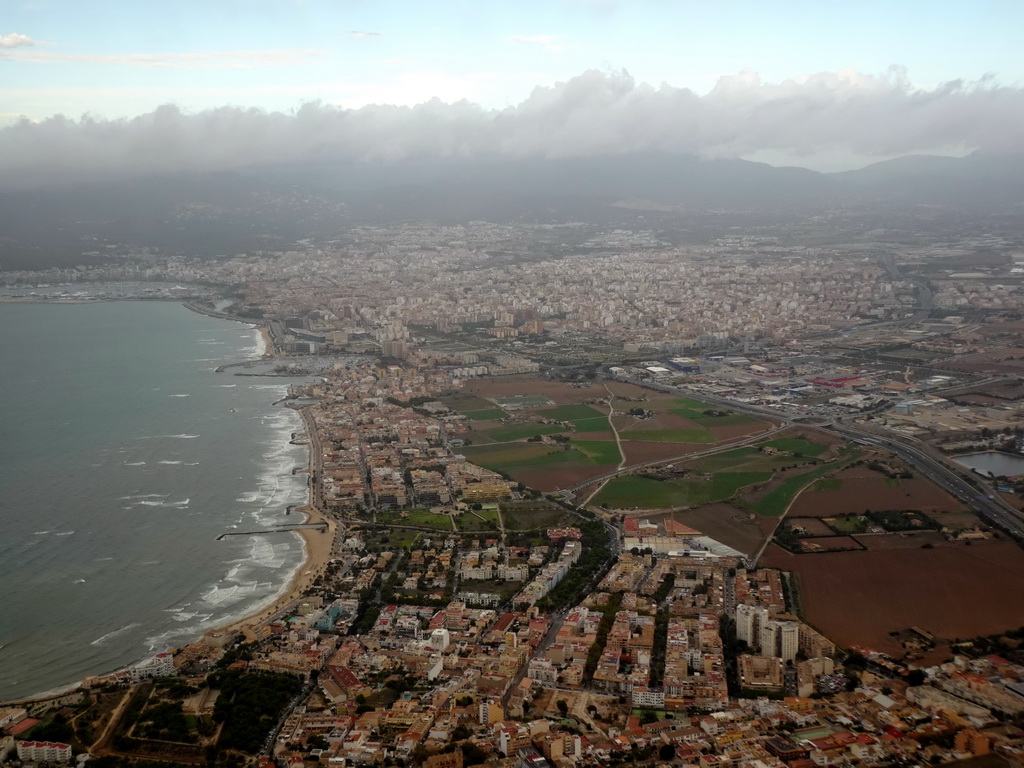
[827, 84]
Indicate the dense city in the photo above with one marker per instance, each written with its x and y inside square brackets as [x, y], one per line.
[574, 493]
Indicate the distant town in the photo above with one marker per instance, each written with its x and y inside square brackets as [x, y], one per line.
[586, 495]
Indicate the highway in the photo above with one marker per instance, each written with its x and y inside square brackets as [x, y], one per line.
[952, 479]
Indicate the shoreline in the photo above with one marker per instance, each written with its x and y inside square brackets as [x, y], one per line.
[317, 549]
[317, 545]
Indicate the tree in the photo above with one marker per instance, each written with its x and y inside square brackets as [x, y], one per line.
[666, 752]
[916, 677]
[562, 707]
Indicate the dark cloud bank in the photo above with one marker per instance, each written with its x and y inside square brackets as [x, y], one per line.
[594, 115]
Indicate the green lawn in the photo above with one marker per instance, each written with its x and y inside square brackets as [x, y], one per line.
[641, 492]
[669, 436]
[797, 445]
[847, 524]
[519, 431]
[478, 520]
[828, 484]
[399, 538]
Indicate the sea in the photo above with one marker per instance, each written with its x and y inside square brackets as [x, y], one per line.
[124, 456]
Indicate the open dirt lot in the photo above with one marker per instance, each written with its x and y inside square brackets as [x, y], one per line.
[862, 488]
[905, 540]
[958, 591]
[722, 522]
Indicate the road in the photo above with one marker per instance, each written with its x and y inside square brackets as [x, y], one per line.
[997, 511]
[935, 468]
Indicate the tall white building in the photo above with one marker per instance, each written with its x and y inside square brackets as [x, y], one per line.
[750, 619]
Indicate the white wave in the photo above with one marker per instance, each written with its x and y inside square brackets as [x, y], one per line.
[225, 386]
[78, 581]
[168, 461]
[114, 633]
[146, 496]
[133, 463]
[63, 533]
[101, 559]
[41, 533]
[150, 562]
[175, 504]
[179, 395]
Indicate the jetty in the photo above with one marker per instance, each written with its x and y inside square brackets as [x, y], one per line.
[275, 529]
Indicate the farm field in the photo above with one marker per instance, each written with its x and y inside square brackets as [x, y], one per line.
[635, 492]
[860, 488]
[953, 591]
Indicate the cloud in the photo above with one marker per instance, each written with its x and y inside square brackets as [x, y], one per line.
[198, 60]
[16, 40]
[357, 35]
[593, 114]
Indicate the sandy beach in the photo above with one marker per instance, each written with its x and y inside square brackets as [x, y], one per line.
[318, 551]
[268, 341]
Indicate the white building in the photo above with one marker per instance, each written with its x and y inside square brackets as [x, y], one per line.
[44, 751]
[440, 639]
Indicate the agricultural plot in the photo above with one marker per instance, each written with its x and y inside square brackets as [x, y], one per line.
[858, 598]
[522, 401]
[634, 492]
[857, 489]
[506, 433]
[797, 445]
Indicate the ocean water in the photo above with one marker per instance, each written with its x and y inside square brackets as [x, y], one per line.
[123, 455]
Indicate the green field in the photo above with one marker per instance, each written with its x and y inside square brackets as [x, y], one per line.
[478, 520]
[572, 413]
[599, 451]
[504, 457]
[485, 414]
[596, 424]
[777, 501]
[519, 431]
[694, 411]
[669, 436]
[530, 515]
[642, 492]
[847, 524]
[422, 518]
[827, 484]
[523, 401]
[501, 454]
[398, 539]
[797, 445]
[463, 403]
